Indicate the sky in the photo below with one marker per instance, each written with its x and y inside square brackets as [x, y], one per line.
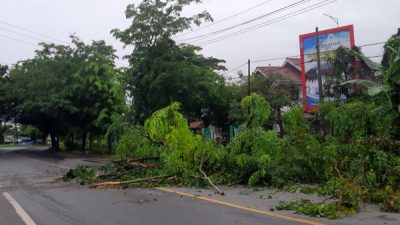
[55, 20]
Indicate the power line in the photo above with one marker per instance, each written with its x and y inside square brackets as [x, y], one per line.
[33, 32]
[273, 59]
[297, 64]
[15, 39]
[296, 56]
[238, 67]
[250, 21]
[372, 44]
[225, 19]
[287, 16]
[21, 34]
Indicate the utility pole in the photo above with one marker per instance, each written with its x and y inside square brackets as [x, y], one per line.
[319, 74]
[248, 77]
[336, 20]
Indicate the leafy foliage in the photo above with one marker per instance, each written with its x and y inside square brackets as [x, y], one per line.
[82, 175]
[250, 155]
[390, 88]
[352, 120]
[65, 90]
[134, 144]
[164, 121]
[185, 153]
[294, 121]
[306, 207]
[301, 160]
[162, 72]
[256, 110]
[348, 64]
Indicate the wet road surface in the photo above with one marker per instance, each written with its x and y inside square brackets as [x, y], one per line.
[29, 178]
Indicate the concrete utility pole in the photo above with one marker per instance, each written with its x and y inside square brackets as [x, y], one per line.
[319, 74]
[248, 77]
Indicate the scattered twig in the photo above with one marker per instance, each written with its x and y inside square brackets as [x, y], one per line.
[338, 171]
[114, 174]
[205, 177]
[130, 181]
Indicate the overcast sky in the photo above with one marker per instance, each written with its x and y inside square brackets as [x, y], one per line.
[374, 21]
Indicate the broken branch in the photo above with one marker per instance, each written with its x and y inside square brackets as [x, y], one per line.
[129, 181]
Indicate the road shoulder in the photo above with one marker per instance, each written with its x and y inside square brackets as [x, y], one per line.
[265, 199]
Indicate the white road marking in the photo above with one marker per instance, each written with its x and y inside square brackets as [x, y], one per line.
[20, 211]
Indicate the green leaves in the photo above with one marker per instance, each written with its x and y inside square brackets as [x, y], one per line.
[185, 154]
[294, 120]
[306, 207]
[162, 71]
[154, 21]
[370, 87]
[390, 88]
[164, 121]
[256, 110]
[371, 64]
[67, 89]
[252, 153]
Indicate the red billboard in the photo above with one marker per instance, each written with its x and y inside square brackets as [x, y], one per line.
[329, 40]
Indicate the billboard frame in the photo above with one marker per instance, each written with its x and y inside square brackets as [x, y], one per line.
[349, 28]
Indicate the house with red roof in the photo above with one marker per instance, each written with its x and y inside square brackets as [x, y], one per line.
[289, 71]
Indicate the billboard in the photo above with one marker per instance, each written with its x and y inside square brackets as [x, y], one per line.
[329, 40]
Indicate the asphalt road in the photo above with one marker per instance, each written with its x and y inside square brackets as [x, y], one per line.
[31, 195]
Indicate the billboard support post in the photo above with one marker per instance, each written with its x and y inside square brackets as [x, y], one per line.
[319, 72]
[319, 76]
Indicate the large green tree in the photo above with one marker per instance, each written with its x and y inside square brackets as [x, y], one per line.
[5, 102]
[64, 89]
[96, 98]
[162, 71]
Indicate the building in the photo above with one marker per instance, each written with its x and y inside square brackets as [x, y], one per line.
[290, 71]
